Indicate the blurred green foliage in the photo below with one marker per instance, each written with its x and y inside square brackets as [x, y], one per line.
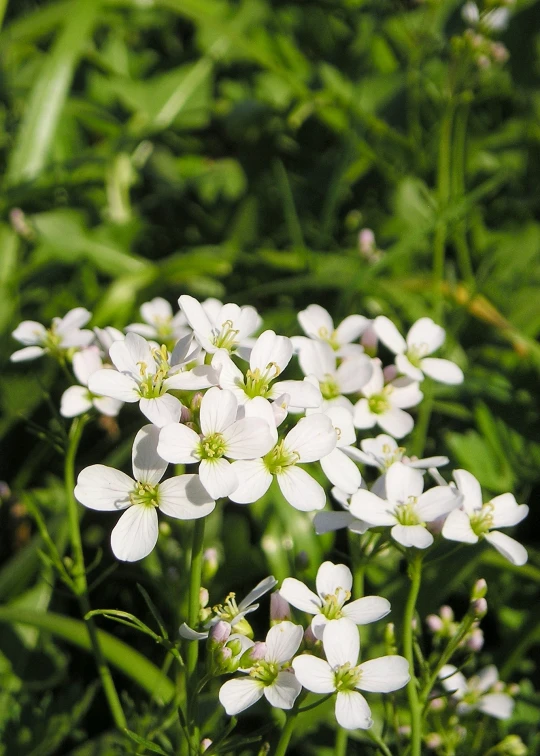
[235, 149]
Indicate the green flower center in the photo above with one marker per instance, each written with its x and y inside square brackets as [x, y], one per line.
[378, 404]
[151, 385]
[333, 603]
[279, 458]
[264, 671]
[392, 455]
[258, 381]
[163, 328]
[145, 494]
[416, 354]
[329, 388]
[406, 513]
[212, 447]
[482, 521]
[330, 338]
[346, 677]
[226, 338]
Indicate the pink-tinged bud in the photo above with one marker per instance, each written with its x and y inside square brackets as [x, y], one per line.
[483, 62]
[437, 704]
[369, 341]
[210, 564]
[279, 608]
[433, 741]
[220, 632]
[366, 240]
[196, 402]
[414, 624]
[404, 730]
[475, 641]
[446, 613]
[513, 690]
[479, 589]
[185, 415]
[498, 687]
[5, 491]
[480, 608]
[390, 372]
[205, 744]
[225, 654]
[434, 622]
[499, 52]
[258, 651]
[309, 638]
[204, 597]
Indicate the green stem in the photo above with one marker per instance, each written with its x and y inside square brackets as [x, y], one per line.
[192, 653]
[3, 8]
[458, 191]
[446, 655]
[380, 742]
[420, 433]
[340, 747]
[79, 574]
[415, 574]
[443, 190]
[286, 734]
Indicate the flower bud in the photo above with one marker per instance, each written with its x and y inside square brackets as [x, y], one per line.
[243, 628]
[205, 744]
[366, 240]
[475, 641]
[253, 654]
[220, 632]
[434, 622]
[234, 646]
[433, 741]
[210, 564]
[279, 608]
[446, 613]
[309, 638]
[390, 638]
[204, 597]
[437, 704]
[479, 589]
[479, 608]
[185, 415]
[390, 372]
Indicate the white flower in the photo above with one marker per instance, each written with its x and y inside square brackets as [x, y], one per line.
[317, 323]
[222, 435]
[406, 509]
[477, 520]
[341, 674]
[109, 490]
[145, 375]
[383, 451]
[105, 338]
[313, 437]
[340, 470]
[78, 399]
[270, 675]
[228, 329]
[334, 583]
[318, 359]
[64, 333]
[159, 322]
[473, 694]
[268, 359]
[328, 522]
[230, 611]
[383, 405]
[424, 338]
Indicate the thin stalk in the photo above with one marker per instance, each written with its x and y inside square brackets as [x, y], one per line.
[79, 575]
[443, 191]
[192, 653]
[420, 433]
[3, 8]
[380, 743]
[286, 734]
[458, 191]
[415, 574]
[340, 746]
[446, 655]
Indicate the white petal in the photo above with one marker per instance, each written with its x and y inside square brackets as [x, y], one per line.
[28, 353]
[405, 393]
[363, 417]
[247, 322]
[302, 394]
[237, 695]
[341, 642]
[507, 512]
[328, 522]
[107, 406]
[253, 481]
[332, 576]
[186, 632]
[133, 355]
[384, 675]
[412, 535]
[198, 320]
[405, 367]
[312, 437]
[428, 462]
[185, 498]
[75, 400]
[318, 623]
[317, 358]
[498, 705]
[352, 711]
[427, 335]
[314, 674]
[271, 349]
[367, 609]
[508, 547]
[442, 370]
[316, 322]
[437, 502]
[368, 507]
[299, 596]
[300, 489]
[201, 377]
[470, 489]
[162, 410]
[284, 690]
[218, 477]
[103, 488]
[353, 374]
[248, 438]
[178, 444]
[156, 311]
[116, 385]
[260, 589]
[218, 411]
[351, 328]
[457, 527]
[72, 320]
[262, 408]
[148, 466]
[341, 471]
[30, 333]
[395, 421]
[343, 424]
[86, 362]
[452, 680]
[403, 481]
[283, 641]
[486, 678]
[135, 534]
[389, 334]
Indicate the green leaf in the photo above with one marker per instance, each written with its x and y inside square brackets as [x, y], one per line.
[146, 743]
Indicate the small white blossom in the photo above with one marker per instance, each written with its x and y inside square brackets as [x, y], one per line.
[383, 451]
[317, 324]
[65, 333]
[478, 693]
[476, 520]
[424, 338]
[78, 399]
[406, 509]
[108, 490]
[334, 584]
[159, 322]
[225, 328]
[270, 675]
[341, 674]
[221, 436]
